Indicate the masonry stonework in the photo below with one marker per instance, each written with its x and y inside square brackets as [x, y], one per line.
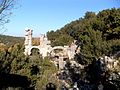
[45, 48]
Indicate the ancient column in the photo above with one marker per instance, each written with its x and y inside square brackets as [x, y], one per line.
[28, 41]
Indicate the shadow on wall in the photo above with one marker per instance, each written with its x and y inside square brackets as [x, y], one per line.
[14, 81]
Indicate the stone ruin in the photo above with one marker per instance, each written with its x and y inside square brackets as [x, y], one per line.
[69, 52]
[45, 49]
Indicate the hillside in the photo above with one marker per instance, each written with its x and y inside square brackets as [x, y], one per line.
[97, 34]
[10, 40]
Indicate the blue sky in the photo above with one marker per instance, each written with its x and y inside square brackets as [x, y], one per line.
[46, 15]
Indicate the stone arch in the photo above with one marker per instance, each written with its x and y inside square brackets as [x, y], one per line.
[35, 51]
[33, 47]
[58, 47]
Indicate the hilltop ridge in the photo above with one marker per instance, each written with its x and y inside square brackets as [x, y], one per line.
[11, 40]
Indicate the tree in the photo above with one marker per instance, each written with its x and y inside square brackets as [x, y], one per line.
[5, 10]
[96, 34]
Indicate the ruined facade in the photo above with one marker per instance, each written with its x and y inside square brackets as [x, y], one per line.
[45, 47]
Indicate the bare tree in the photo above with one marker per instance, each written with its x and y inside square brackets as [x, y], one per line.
[5, 10]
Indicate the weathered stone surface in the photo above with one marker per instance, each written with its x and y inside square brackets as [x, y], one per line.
[45, 47]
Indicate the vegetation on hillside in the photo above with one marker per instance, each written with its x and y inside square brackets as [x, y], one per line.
[32, 71]
[97, 34]
[10, 40]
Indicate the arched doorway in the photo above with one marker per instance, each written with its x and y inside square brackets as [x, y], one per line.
[58, 51]
[35, 51]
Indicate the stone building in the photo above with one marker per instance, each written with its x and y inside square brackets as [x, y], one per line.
[45, 48]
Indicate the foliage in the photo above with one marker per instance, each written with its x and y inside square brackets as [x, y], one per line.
[35, 41]
[5, 10]
[37, 69]
[59, 38]
[97, 34]
[10, 40]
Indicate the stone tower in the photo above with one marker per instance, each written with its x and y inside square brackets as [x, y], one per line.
[28, 41]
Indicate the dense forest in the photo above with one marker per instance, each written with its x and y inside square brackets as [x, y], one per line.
[97, 35]
[21, 72]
